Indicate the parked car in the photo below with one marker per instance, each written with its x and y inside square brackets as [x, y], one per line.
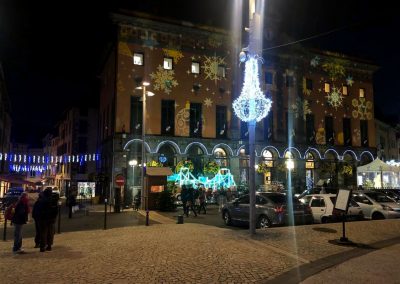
[377, 205]
[271, 209]
[322, 207]
[11, 196]
[392, 193]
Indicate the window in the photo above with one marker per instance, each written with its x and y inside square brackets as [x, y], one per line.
[347, 131]
[220, 120]
[168, 63]
[310, 129]
[195, 120]
[138, 59]
[220, 157]
[309, 85]
[268, 158]
[195, 67]
[260, 200]
[364, 133]
[289, 81]
[136, 115]
[317, 202]
[268, 78]
[327, 88]
[167, 117]
[222, 71]
[329, 135]
[345, 90]
[362, 93]
[244, 199]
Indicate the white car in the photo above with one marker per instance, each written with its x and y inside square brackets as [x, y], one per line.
[377, 205]
[322, 206]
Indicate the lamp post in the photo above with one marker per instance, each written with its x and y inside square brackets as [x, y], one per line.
[144, 191]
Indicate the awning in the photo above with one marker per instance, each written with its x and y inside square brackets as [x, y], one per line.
[377, 165]
[158, 171]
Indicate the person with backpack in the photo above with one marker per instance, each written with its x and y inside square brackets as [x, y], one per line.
[35, 216]
[48, 211]
[20, 218]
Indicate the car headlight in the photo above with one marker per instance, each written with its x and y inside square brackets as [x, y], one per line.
[386, 207]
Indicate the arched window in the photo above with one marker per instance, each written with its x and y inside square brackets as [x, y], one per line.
[310, 161]
[195, 154]
[288, 155]
[268, 158]
[167, 155]
[220, 157]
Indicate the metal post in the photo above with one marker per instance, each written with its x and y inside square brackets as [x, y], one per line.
[5, 225]
[105, 214]
[144, 189]
[59, 218]
[252, 190]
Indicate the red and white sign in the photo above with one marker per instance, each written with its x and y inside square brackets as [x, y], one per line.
[119, 180]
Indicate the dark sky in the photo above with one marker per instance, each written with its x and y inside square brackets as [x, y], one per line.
[51, 50]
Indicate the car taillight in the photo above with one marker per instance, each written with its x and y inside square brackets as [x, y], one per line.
[279, 209]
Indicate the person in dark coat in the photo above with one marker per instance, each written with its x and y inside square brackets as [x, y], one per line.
[184, 199]
[48, 212]
[35, 216]
[190, 201]
[202, 199]
[71, 203]
[19, 219]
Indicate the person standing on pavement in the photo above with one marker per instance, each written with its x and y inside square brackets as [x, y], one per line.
[191, 200]
[35, 216]
[19, 219]
[202, 199]
[184, 199]
[48, 212]
[71, 204]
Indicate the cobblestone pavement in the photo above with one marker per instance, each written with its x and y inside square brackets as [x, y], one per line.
[189, 253]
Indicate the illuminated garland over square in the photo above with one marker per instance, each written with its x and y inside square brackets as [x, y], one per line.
[251, 104]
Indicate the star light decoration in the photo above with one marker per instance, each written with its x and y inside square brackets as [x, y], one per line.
[349, 81]
[251, 104]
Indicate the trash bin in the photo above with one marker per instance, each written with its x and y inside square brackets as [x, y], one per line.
[180, 219]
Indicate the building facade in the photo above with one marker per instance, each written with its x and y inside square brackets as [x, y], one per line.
[321, 118]
[387, 141]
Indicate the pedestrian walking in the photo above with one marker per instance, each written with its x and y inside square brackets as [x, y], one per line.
[137, 201]
[35, 216]
[190, 202]
[184, 199]
[19, 219]
[202, 200]
[71, 204]
[48, 211]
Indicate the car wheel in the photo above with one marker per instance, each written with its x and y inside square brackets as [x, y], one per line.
[377, 216]
[227, 218]
[263, 222]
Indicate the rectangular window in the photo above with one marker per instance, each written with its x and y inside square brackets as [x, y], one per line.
[347, 131]
[362, 93]
[309, 85]
[222, 71]
[327, 88]
[138, 58]
[269, 127]
[289, 81]
[268, 78]
[345, 90]
[220, 118]
[195, 120]
[136, 115]
[167, 117]
[329, 134]
[244, 132]
[364, 133]
[195, 67]
[310, 129]
[168, 63]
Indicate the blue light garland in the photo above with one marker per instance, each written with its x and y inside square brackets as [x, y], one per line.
[251, 104]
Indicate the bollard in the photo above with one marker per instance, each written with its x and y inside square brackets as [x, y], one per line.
[105, 214]
[5, 225]
[180, 219]
[59, 217]
[147, 217]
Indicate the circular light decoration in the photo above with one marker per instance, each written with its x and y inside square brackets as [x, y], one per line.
[251, 104]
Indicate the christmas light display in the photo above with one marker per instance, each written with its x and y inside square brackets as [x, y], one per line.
[37, 159]
[251, 104]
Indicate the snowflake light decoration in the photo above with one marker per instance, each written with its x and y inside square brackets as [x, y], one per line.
[251, 104]
[362, 109]
[208, 102]
[301, 108]
[210, 67]
[175, 54]
[315, 61]
[163, 79]
[349, 81]
[335, 98]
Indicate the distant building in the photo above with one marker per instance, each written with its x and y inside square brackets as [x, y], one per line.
[387, 141]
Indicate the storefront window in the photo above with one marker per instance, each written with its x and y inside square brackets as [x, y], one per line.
[221, 157]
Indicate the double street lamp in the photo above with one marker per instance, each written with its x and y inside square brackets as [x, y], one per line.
[144, 190]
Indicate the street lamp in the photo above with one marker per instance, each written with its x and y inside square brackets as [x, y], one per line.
[144, 191]
[133, 163]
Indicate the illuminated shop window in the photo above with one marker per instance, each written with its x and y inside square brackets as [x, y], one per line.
[168, 63]
[195, 67]
[138, 59]
[327, 88]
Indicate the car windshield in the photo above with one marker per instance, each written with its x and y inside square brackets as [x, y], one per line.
[379, 197]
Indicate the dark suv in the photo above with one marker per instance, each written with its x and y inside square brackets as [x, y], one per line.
[271, 209]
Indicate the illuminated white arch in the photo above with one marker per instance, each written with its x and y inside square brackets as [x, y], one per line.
[140, 141]
[313, 150]
[353, 154]
[367, 152]
[225, 146]
[268, 148]
[332, 150]
[289, 149]
[199, 144]
[172, 143]
[238, 150]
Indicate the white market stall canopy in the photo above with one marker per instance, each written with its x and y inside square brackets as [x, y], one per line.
[378, 174]
[378, 165]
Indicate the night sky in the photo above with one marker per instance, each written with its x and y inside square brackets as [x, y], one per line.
[51, 51]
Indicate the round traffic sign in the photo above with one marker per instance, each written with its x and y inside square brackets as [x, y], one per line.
[120, 180]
